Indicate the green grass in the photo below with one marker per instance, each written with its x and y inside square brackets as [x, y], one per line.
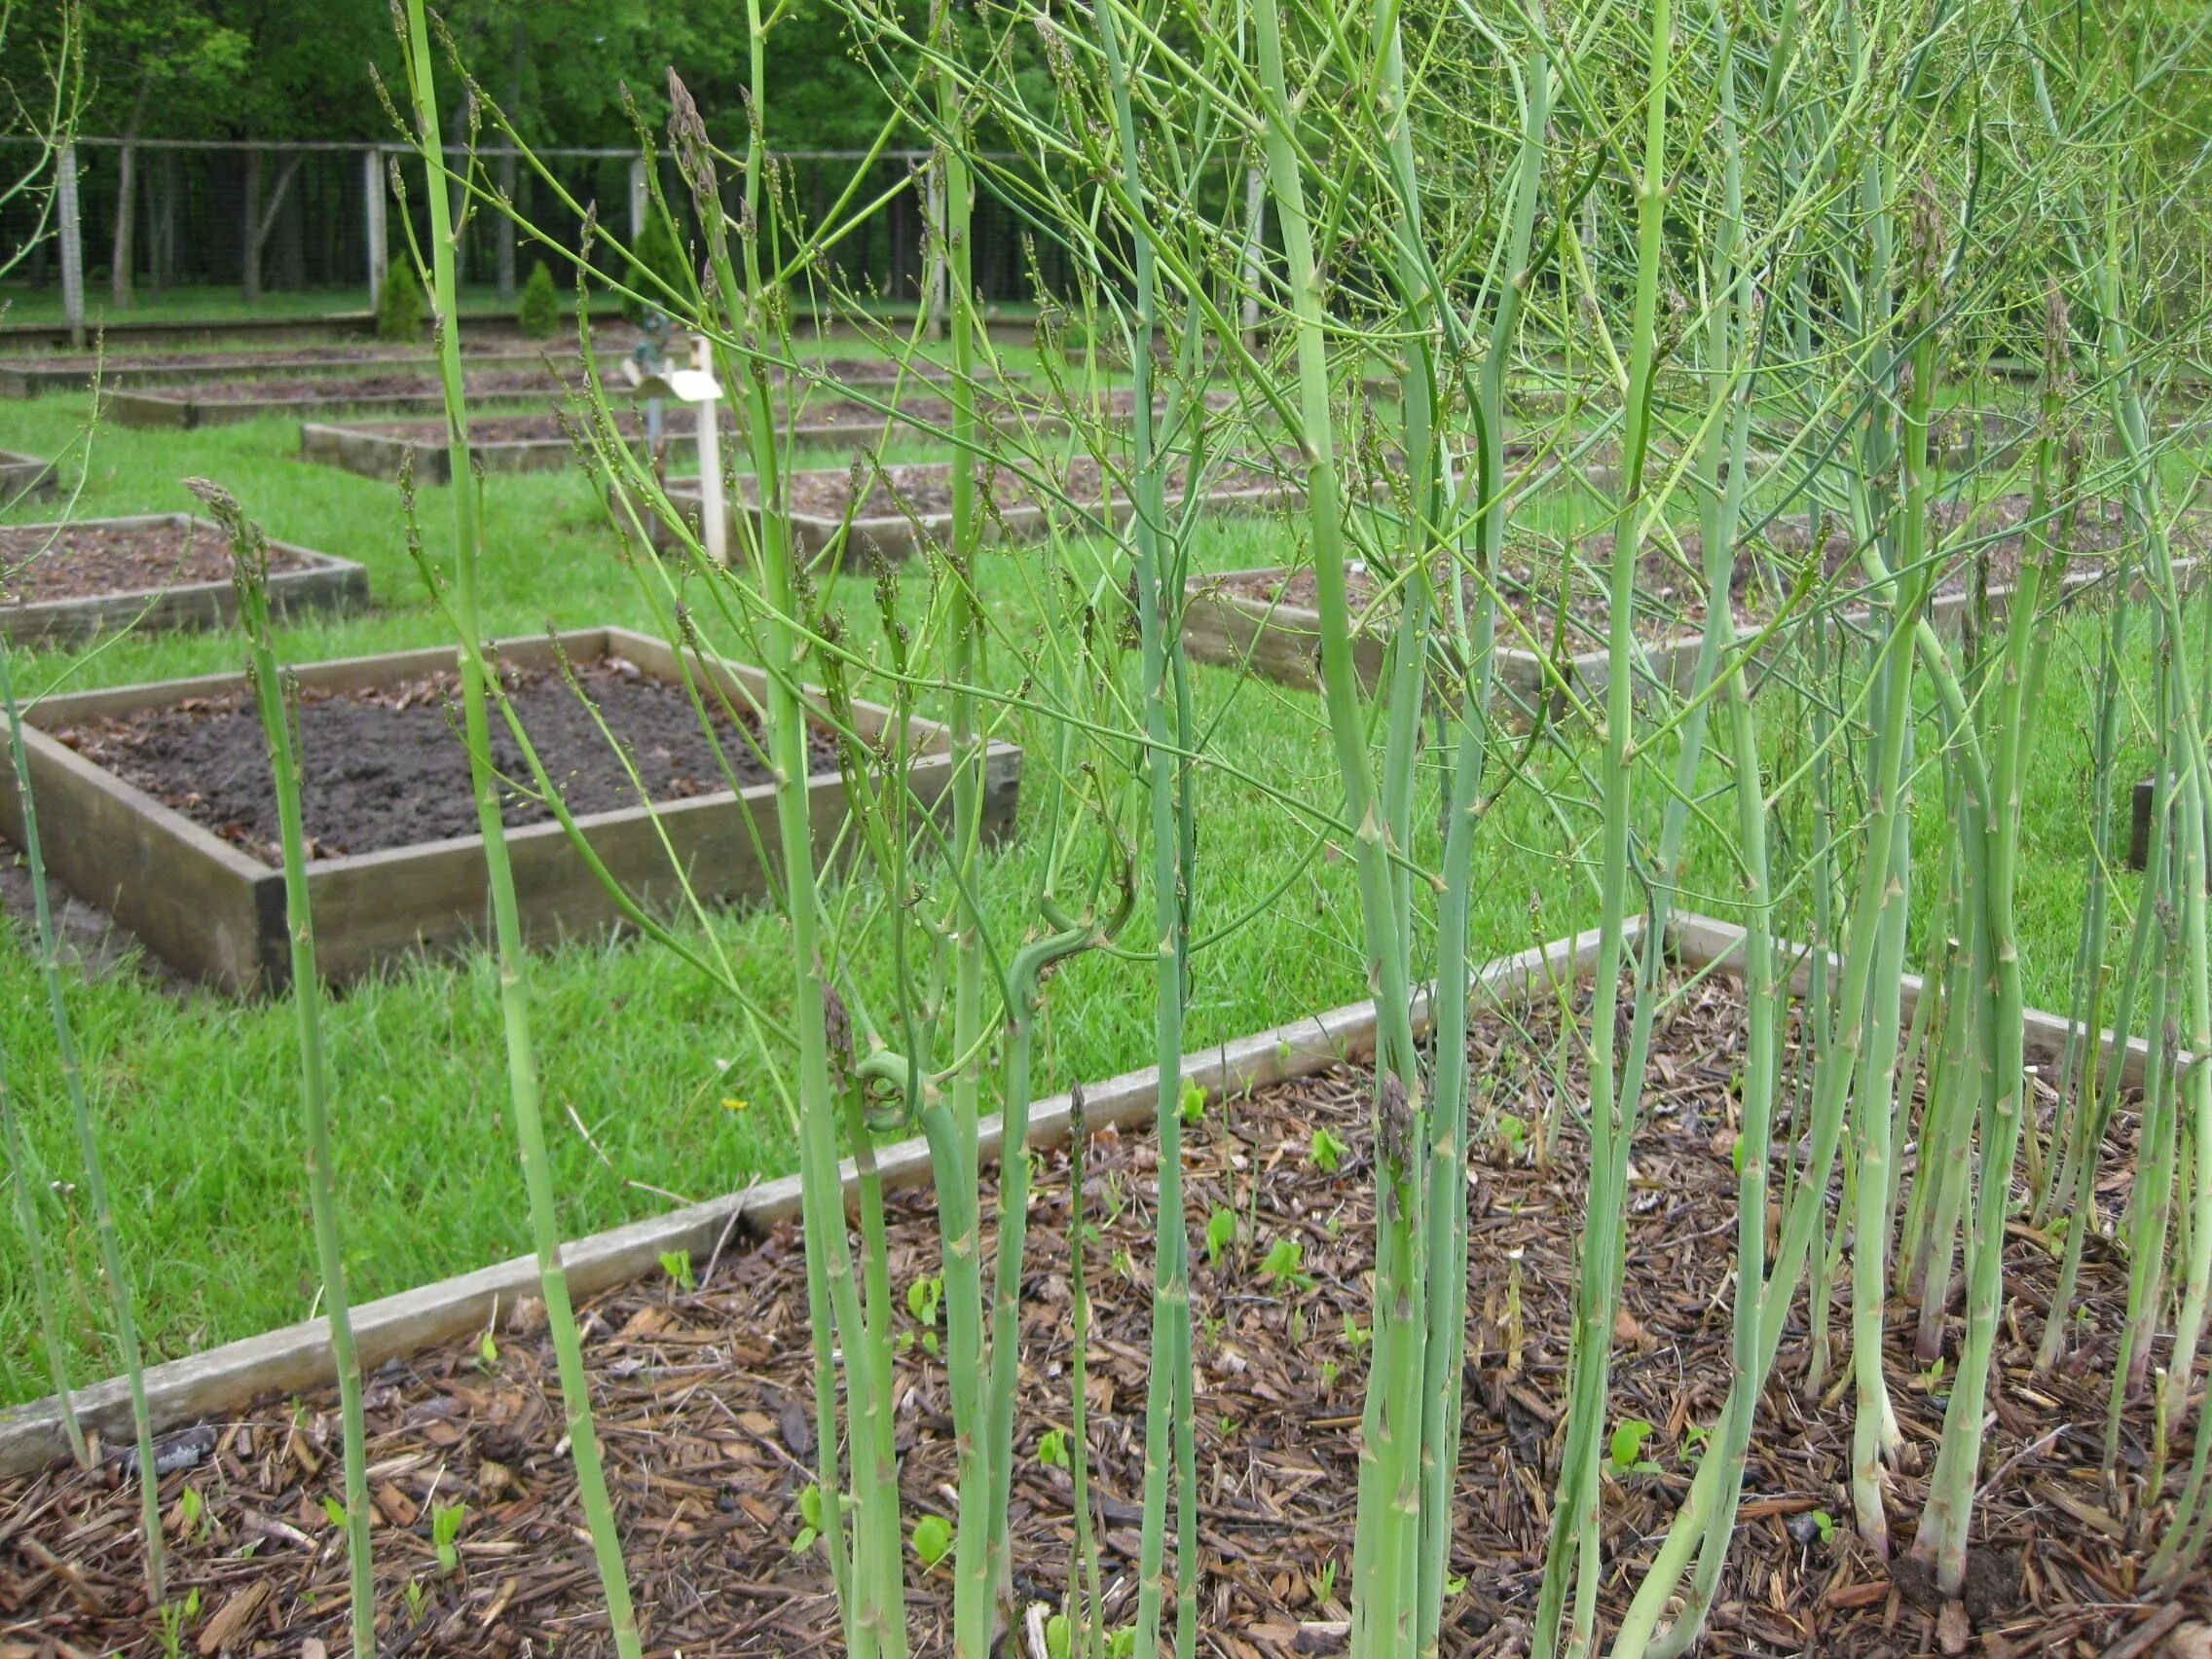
[655, 1089]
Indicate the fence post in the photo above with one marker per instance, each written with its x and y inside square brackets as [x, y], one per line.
[372, 176]
[637, 200]
[72, 232]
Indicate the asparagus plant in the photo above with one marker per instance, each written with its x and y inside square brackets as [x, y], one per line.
[276, 699]
[524, 1090]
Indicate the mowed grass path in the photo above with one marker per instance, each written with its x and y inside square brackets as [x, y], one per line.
[654, 1089]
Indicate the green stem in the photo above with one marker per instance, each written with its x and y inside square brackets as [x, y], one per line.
[122, 1297]
[524, 1094]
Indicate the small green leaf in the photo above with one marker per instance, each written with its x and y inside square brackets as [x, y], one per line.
[1284, 1265]
[805, 1541]
[486, 1352]
[1326, 1151]
[1192, 1104]
[335, 1510]
[923, 1298]
[1626, 1448]
[810, 1506]
[677, 1265]
[932, 1539]
[1221, 1233]
[1052, 1449]
[1827, 1524]
[445, 1535]
[1059, 1637]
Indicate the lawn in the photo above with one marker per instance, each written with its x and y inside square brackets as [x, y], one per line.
[656, 1092]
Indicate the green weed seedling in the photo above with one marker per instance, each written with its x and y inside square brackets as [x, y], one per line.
[932, 1539]
[487, 1354]
[1059, 1638]
[677, 1265]
[924, 1297]
[1285, 1267]
[1221, 1233]
[810, 1515]
[1326, 1151]
[445, 1535]
[1052, 1449]
[1192, 1103]
[1323, 1584]
[416, 1600]
[176, 1616]
[1624, 1456]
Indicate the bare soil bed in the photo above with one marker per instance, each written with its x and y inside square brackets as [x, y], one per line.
[707, 1414]
[924, 489]
[1670, 594]
[42, 562]
[487, 383]
[386, 766]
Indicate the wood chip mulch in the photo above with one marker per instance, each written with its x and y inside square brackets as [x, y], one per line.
[42, 562]
[705, 1406]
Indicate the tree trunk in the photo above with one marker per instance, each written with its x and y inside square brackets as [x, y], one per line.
[249, 223]
[126, 221]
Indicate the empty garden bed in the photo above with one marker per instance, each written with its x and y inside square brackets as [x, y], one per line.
[70, 581]
[218, 403]
[157, 805]
[706, 1400]
[1267, 620]
[541, 442]
[909, 503]
[30, 376]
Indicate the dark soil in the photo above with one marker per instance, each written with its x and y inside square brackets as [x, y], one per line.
[706, 1411]
[388, 768]
[321, 388]
[1670, 592]
[39, 562]
[924, 489]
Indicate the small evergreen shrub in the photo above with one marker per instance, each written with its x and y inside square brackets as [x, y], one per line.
[538, 310]
[401, 310]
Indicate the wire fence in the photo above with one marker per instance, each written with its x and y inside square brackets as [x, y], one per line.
[147, 220]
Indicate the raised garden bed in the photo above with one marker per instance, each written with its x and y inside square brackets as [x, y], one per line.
[156, 804]
[912, 501]
[706, 1401]
[1266, 620]
[221, 403]
[71, 581]
[26, 477]
[540, 442]
[30, 377]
